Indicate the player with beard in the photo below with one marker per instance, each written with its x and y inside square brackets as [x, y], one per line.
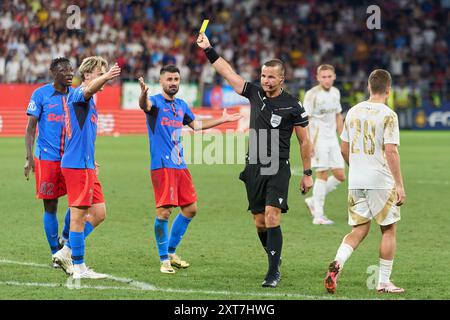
[172, 182]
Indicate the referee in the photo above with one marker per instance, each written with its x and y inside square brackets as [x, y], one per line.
[274, 115]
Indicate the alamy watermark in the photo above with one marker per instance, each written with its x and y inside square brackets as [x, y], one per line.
[217, 147]
[73, 21]
[372, 280]
[72, 283]
[374, 20]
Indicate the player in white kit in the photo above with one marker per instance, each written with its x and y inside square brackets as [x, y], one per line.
[369, 145]
[322, 103]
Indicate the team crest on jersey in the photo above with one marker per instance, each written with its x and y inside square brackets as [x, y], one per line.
[275, 120]
[32, 106]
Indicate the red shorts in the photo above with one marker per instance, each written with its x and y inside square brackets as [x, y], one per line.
[173, 187]
[83, 187]
[49, 179]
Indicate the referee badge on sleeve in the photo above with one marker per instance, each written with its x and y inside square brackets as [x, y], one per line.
[275, 120]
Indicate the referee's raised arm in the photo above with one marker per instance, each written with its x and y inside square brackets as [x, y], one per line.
[220, 64]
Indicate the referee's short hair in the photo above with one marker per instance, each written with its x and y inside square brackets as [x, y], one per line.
[58, 61]
[276, 63]
[169, 68]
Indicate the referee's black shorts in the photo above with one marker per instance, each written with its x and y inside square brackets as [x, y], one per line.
[266, 190]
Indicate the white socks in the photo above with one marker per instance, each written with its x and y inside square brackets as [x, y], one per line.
[385, 271]
[344, 252]
[319, 192]
[79, 268]
[332, 184]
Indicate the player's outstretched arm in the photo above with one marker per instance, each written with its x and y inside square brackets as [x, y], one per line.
[221, 65]
[144, 103]
[209, 123]
[30, 136]
[393, 160]
[305, 150]
[95, 85]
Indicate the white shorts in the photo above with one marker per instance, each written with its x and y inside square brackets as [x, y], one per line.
[365, 205]
[327, 157]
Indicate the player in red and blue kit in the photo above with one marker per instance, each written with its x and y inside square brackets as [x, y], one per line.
[45, 111]
[172, 182]
[84, 191]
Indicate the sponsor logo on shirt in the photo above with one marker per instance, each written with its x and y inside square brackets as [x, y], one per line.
[171, 123]
[55, 118]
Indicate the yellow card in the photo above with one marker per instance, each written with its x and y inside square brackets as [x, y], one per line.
[204, 25]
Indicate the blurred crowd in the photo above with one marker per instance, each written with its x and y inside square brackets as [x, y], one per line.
[141, 36]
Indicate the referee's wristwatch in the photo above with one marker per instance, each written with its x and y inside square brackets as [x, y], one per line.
[307, 172]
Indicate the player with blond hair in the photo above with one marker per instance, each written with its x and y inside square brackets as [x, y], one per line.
[84, 191]
[322, 103]
[369, 145]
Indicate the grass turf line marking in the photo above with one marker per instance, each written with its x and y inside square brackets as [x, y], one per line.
[29, 264]
[63, 285]
[169, 290]
[142, 286]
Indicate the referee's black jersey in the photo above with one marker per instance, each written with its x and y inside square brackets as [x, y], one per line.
[279, 113]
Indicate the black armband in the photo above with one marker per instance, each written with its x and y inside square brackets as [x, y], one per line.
[211, 54]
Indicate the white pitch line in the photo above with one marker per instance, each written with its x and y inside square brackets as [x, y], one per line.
[60, 285]
[142, 286]
[29, 264]
[137, 284]
[168, 290]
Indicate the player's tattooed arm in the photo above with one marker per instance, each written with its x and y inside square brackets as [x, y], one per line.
[144, 103]
[30, 136]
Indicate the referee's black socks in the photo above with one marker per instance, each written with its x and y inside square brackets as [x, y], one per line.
[263, 238]
[274, 245]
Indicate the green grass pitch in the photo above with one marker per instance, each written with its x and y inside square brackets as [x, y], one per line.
[227, 261]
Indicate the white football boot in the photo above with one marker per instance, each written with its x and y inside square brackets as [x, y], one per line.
[80, 271]
[63, 258]
[322, 220]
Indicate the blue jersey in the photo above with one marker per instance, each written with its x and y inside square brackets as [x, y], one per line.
[81, 131]
[46, 104]
[164, 123]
